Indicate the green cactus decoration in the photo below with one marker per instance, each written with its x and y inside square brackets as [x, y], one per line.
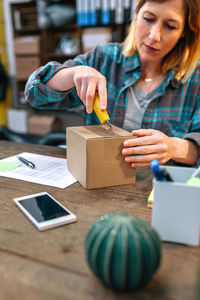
[123, 251]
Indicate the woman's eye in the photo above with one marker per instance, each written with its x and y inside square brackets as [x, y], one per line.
[149, 20]
[172, 27]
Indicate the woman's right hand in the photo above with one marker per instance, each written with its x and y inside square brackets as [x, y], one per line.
[88, 81]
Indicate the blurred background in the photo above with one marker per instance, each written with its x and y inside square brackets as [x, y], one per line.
[33, 33]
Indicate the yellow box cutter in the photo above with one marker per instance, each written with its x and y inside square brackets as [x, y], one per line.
[102, 114]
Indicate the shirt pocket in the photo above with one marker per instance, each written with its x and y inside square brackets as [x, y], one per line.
[175, 128]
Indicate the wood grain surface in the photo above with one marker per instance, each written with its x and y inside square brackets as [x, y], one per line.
[52, 264]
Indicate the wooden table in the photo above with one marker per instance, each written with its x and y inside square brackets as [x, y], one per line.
[52, 265]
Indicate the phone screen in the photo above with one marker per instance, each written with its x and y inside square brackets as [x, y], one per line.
[43, 208]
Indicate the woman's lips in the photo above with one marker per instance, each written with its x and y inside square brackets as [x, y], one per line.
[151, 49]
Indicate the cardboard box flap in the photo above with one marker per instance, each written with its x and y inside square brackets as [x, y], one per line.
[99, 131]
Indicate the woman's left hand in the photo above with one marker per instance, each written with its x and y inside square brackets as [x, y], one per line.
[148, 144]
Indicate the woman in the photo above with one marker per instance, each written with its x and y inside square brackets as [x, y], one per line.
[149, 82]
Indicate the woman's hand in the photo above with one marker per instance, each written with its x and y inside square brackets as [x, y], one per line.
[87, 81]
[148, 144]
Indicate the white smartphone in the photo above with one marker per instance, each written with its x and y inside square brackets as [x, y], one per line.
[44, 211]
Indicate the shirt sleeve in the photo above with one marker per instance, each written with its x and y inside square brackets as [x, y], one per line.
[194, 137]
[39, 95]
[194, 133]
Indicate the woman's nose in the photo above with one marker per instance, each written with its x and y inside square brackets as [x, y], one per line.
[155, 32]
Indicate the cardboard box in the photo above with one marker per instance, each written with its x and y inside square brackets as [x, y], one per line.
[94, 156]
[41, 125]
[176, 208]
[27, 45]
[26, 65]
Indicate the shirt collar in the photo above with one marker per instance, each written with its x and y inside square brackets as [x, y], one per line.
[132, 63]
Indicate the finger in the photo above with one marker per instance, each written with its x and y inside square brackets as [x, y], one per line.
[88, 88]
[78, 89]
[102, 91]
[139, 141]
[90, 96]
[140, 150]
[139, 165]
[144, 158]
[82, 95]
[142, 132]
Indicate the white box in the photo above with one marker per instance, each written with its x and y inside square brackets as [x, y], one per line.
[18, 120]
[176, 208]
[92, 37]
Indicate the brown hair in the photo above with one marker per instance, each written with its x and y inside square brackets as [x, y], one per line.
[185, 55]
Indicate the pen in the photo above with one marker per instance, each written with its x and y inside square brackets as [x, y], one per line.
[195, 177]
[26, 162]
[156, 170]
[166, 175]
[196, 173]
[160, 174]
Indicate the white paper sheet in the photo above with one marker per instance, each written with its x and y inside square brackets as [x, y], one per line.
[49, 170]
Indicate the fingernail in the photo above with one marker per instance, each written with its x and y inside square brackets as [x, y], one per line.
[89, 111]
[133, 166]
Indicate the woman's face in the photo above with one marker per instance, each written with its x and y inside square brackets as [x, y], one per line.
[159, 26]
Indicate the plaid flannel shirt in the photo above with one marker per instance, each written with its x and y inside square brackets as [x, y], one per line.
[174, 109]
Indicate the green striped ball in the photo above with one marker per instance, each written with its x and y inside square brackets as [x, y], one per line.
[123, 251]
